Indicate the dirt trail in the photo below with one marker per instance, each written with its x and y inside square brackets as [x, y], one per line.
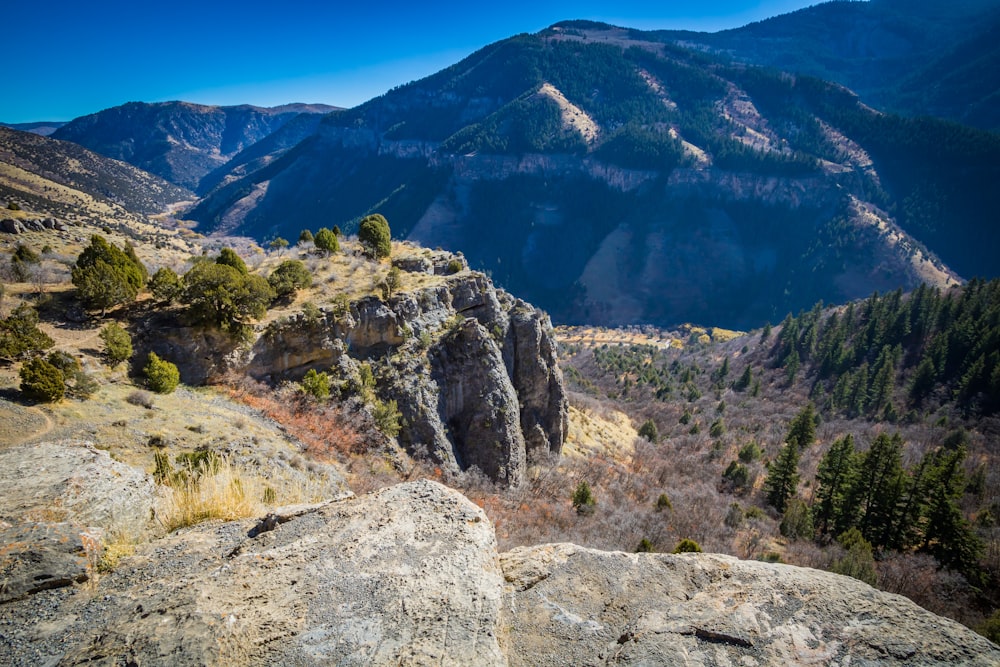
[20, 424]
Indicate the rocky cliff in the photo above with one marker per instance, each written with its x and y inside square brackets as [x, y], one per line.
[411, 575]
[472, 369]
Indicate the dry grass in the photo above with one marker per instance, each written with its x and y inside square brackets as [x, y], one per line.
[224, 491]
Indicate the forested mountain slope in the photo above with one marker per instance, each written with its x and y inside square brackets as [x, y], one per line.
[616, 178]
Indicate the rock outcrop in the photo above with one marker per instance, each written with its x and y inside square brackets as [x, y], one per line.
[473, 370]
[58, 501]
[410, 575]
[710, 609]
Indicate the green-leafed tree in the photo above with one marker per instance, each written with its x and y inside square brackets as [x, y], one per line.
[305, 236]
[117, 343]
[802, 429]
[42, 381]
[228, 257]
[105, 276]
[20, 335]
[375, 236]
[745, 380]
[859, 561]
[649, 432]
[129, 251]
[166, 285]
[290, 276]
[782, 477]
[76, 382]
[161, 375]
[947, 535]
[316, 385]
[220, 296]
[583, 498]
[878, 489]
[326, 240]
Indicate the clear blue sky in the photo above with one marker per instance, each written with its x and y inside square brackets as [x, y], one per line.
[68, 58]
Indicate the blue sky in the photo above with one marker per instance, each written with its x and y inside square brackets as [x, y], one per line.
[72, 58]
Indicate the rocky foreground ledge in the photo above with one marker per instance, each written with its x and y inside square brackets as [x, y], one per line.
[411, 575]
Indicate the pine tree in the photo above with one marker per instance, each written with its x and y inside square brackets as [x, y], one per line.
[802, 429]
[745, 380]
[948, 536]
[834, 478]
[783, 477]
[878, 488]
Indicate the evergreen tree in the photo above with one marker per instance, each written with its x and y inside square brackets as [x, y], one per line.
[326, 240]
[161, 375]
[834, 479]
[20, 336]
[948, 536]
[105, 275]
[783, 477]
[305, 236]
[42, 381]
[228, 257]
[290, 276]
[802, 429]
[117, 343]
[375, 237]
[744, 380]
[219, 295]
[878, 488]
[166, 285]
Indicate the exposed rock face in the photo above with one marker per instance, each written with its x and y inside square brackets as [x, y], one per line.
[478, 403]
[485, 392]
[75, 482]
[709, 609]
[410, 575]
[57, 501]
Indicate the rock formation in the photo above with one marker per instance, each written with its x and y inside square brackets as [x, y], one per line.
[411, 575]
[483, 389]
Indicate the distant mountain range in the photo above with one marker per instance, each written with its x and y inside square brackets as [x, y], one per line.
[915, 57]
[66, 181]
[615, 176]
[41, 128]
[180, 141]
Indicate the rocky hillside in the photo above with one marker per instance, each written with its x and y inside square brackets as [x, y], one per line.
[915, 58]
[62, 179]
[472, 369]
[179, 141]
[612, 176]
[411, 574]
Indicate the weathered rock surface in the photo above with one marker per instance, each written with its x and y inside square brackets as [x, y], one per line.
[571, 605]
[410, 575]
[58, 500]
[72, 481]
[481, 393]
[39, 556]
[407, 575]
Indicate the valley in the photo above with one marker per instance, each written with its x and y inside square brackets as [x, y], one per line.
[599, 334]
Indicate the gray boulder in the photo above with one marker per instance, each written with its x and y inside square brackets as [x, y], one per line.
[568, 605]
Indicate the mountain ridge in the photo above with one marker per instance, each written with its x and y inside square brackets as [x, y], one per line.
[666, 124]
[179, 141]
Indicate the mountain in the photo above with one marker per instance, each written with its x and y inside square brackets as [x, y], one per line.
[67, 181]
[44, 128]
[613, 177]
[179, 141]
[915, 58]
